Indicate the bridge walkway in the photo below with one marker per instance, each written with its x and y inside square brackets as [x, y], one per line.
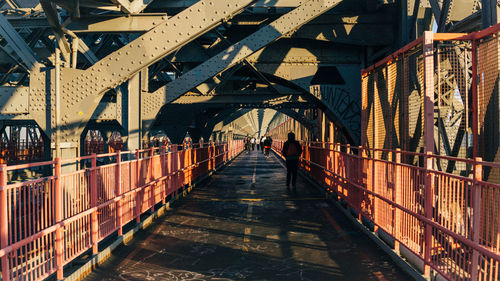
[243, 225]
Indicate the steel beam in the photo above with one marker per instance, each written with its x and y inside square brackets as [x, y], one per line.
[246, 99]
[17, 44]
[246, 47]
[120, 66]
[116, 23]
[490, 13]
[132, 7]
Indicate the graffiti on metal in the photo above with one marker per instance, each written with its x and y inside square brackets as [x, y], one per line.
[343, 103]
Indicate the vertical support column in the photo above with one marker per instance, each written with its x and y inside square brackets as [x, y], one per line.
[4, 221]
[94, 225]
[489, 13]
[476, 215]
[118, 192]
[131, 118]
[428, 49]
[475, 131]
[58, 217]
[74, 51]
[138, 194]
[57, 93]
[397, 199]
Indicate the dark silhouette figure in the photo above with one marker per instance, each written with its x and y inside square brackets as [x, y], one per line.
[291, 151]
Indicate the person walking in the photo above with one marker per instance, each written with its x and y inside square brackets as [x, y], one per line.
[253, 144]
[262, 143]
[267, 145]
[291, 151]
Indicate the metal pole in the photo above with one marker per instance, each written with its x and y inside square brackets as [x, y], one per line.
[94, 225]
[4, 222]
[59, 217]
[74, 51]
[474, 101]
[428, 52]
[476, 215]
[138, 194]
[118, 186]
[57, 85]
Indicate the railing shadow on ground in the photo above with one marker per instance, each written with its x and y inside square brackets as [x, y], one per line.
[403, 200]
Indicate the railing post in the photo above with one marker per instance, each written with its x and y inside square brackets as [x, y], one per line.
[4, 221]
[476, 215]
[118, 192]
[163, 174]
[397, 199]
[347, 168]
[150, 166]
[138, 194]
[428, 124]
[428, 195]
[360, 182]
[58, 217]
[152, 188]
[94, 226]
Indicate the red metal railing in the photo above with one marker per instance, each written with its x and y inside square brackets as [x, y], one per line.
[48, 222]
[450, 222]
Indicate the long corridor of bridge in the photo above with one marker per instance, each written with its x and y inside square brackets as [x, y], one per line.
[243, 225]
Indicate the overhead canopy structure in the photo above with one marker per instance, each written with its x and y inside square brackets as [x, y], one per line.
[177, 66]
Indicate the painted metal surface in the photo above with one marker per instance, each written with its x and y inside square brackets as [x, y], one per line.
[47, 222]
[458, 214]
[448, 105]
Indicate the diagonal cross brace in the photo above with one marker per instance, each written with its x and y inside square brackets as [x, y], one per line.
[17, 43]
[83, 91]
[246, 47]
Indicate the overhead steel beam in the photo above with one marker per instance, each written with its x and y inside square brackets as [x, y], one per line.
[17, 44]
[243, 99]
[116, 23]
[246, 47]
[443, 17]
[490, 12]
[132, 7]
[436, 9]
[121, 65]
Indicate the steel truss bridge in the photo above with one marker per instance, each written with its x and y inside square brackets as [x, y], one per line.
[110, 107]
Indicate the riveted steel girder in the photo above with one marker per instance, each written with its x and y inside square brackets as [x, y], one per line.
[17, 44]
[132, 7]
[82, 90]
[246, 47]
[243, 99]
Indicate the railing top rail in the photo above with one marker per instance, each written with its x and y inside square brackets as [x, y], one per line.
[88, 157]
[393, 56]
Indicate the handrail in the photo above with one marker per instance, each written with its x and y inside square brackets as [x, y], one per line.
[391, 195]
[88, 199]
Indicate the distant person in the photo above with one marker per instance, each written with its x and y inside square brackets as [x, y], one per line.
[253, 143]
[257, 141]
[267, 145]
[291, 151]
[262, 143]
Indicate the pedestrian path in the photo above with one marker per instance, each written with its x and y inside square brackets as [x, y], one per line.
[243, 225]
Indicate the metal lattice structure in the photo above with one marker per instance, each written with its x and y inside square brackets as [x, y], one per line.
[71, 67]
